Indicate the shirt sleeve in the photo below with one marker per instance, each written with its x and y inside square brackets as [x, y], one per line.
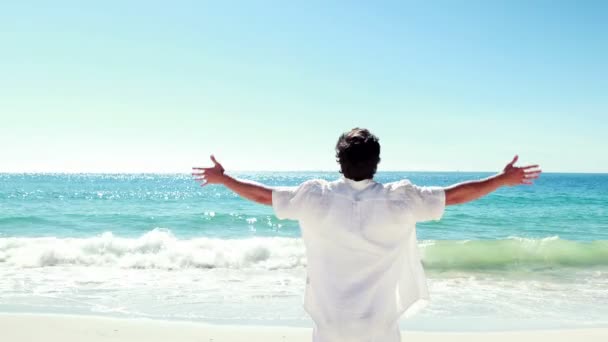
[288, 202]
[426, 202]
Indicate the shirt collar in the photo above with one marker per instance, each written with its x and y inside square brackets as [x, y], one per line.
[359, 185]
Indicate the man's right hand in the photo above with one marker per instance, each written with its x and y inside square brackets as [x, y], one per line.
[514, 175]
[511, 175]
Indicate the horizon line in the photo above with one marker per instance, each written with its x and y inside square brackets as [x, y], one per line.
[268, 171]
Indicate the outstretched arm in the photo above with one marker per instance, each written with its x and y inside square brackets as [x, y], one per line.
[472, 190]
[250, 190]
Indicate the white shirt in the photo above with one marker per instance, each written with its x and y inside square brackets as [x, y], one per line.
[364, 268]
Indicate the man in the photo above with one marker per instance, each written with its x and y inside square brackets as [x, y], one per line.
[363, 266]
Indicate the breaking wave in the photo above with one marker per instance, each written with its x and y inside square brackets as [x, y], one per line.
[160, 249]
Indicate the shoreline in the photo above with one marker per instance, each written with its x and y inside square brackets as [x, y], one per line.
[17, 327]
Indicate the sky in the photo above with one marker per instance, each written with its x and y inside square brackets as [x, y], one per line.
[157, 86]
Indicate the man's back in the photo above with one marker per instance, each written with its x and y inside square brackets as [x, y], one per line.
[364, 270]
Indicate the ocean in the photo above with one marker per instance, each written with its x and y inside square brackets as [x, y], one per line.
[160, 246]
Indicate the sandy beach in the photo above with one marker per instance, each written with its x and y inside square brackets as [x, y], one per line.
[26, 327]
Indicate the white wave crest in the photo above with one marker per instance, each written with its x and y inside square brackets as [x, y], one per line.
[158, 248]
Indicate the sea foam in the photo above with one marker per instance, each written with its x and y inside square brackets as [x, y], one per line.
[160, 249]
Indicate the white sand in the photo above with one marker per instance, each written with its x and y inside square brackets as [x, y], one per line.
[43, 328]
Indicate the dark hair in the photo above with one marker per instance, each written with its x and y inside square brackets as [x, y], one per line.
[358, 153]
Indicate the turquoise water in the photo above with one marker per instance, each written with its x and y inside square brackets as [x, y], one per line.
[572, 206]
[160, 246]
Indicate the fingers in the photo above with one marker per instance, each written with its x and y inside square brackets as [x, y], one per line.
[202, 180]
[214, 161]
[531, 174]
[514, 160]
[216, 164]
[526, 182]
[200, 173]
[529, 167]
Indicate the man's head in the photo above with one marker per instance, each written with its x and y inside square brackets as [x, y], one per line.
[358, 153]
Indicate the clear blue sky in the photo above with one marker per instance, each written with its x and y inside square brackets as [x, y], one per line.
[269, 85]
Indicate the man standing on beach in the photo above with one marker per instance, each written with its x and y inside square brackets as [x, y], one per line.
[363, 266]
